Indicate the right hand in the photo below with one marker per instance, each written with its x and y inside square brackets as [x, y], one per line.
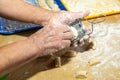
[63, 18]
[50, 39]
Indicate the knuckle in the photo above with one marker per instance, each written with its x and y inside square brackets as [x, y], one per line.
[71, 34]
[58, 44]
[68, 43]
[67, 27]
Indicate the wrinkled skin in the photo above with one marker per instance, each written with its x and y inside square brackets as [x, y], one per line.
[56, 34]
[50, 39]
[63, 18]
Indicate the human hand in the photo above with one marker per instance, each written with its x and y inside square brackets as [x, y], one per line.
[64, 18]
[51, 39]
[84, 40]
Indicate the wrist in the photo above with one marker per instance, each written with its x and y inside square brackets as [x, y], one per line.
[32, 47]
[43, 18]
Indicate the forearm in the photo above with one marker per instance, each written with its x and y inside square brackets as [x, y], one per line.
[16, 54]
[22, 11]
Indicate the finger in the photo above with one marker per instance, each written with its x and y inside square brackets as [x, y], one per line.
[59, 30]
[79, 14]
[86, 37]
[54, 45]
[64, 28]
[68, 36]
[66, 43]
[81, 42]
[75, 15]
[58, 44]
[61, 45]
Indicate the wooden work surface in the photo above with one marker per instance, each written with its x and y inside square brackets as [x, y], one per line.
[30, 70]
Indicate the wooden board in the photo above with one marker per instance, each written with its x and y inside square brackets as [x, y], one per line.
[108, 69]
[96, 7]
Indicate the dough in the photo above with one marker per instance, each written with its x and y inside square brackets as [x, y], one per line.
[81, 74]
[94, 61]
[58, 62]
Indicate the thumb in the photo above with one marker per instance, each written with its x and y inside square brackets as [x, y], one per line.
[75, 15]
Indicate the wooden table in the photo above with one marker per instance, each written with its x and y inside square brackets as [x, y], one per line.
[34, 68]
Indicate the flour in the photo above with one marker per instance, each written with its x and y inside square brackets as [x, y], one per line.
[92, 5]
[107, 51]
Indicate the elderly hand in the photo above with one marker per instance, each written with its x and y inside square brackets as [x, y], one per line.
[51, 39]
[63, 18]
